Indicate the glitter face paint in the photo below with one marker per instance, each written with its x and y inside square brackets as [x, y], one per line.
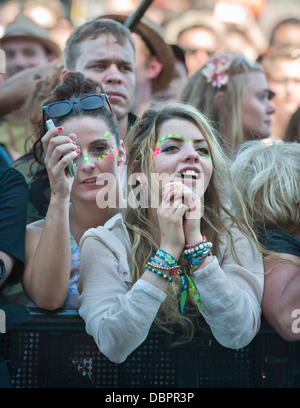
[173, 135]
[112, 153]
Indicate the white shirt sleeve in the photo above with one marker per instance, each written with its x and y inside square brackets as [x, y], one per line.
[115, 311]
[232, 293]
[119, 315]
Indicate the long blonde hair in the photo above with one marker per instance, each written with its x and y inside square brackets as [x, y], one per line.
[139, 144]
[268, 177]
[202, 94]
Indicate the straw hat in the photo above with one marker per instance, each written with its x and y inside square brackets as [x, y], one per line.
[153, 36]
[190, 19]
[25, 28]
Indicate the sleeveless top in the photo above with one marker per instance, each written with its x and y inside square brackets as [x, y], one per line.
[72, 297]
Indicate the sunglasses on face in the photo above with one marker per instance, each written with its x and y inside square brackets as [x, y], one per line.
[87, 102]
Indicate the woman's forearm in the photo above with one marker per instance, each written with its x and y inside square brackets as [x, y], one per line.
[51, 264]
[281, 296]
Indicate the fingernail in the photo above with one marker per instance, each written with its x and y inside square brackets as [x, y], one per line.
[60, 128]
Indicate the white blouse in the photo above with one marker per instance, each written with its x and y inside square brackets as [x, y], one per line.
[119, 315]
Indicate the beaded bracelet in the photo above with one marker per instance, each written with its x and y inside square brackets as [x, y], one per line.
[198, 261]
[196, 253]
[160, 266]
[173, 269]
[199, 253]
[198, 246]
[168, 278]
[193, 247]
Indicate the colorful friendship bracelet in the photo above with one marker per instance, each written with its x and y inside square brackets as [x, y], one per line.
[195, 254]
[188, 286]
[166, 257]
[195, 294]
[184, 291]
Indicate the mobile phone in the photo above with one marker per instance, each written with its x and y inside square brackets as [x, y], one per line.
[70, 167]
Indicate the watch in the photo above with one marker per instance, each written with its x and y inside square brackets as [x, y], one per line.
[2, 269]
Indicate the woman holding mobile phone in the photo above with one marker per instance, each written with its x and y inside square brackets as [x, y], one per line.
[85, 133]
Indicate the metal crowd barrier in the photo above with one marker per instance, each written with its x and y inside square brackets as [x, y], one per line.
[54, 351]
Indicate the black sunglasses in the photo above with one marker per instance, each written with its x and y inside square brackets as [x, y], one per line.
[87, 102]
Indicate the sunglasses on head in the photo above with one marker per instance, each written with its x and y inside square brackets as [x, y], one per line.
[87, 102]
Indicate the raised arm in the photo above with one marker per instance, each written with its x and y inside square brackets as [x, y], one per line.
[230, 292]
[118, 314]
[17, 90]
[48, 252]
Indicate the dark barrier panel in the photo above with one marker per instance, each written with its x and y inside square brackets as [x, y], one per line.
[53, 350]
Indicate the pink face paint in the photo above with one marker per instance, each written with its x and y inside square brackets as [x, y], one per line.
[157, 148]
[111, 154]
[156, 151]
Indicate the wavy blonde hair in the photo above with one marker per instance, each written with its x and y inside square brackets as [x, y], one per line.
[140, 143]
[268, 177]
[202, 94]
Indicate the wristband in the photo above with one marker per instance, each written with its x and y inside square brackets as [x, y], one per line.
[166, 257]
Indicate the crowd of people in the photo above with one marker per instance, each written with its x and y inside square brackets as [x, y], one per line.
[166, 185]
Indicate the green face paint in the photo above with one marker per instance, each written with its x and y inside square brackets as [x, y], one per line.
[95, 154]
[173, 135]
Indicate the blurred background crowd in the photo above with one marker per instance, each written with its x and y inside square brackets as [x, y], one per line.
[252, 19]
[261, 30]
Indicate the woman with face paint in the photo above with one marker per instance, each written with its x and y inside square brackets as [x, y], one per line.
[233, 93]
[85, 136]
[177, 249]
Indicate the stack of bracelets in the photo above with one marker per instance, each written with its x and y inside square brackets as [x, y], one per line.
[195, 254]
[157, 266]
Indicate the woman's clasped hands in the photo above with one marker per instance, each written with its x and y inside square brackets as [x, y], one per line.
[179, 217]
